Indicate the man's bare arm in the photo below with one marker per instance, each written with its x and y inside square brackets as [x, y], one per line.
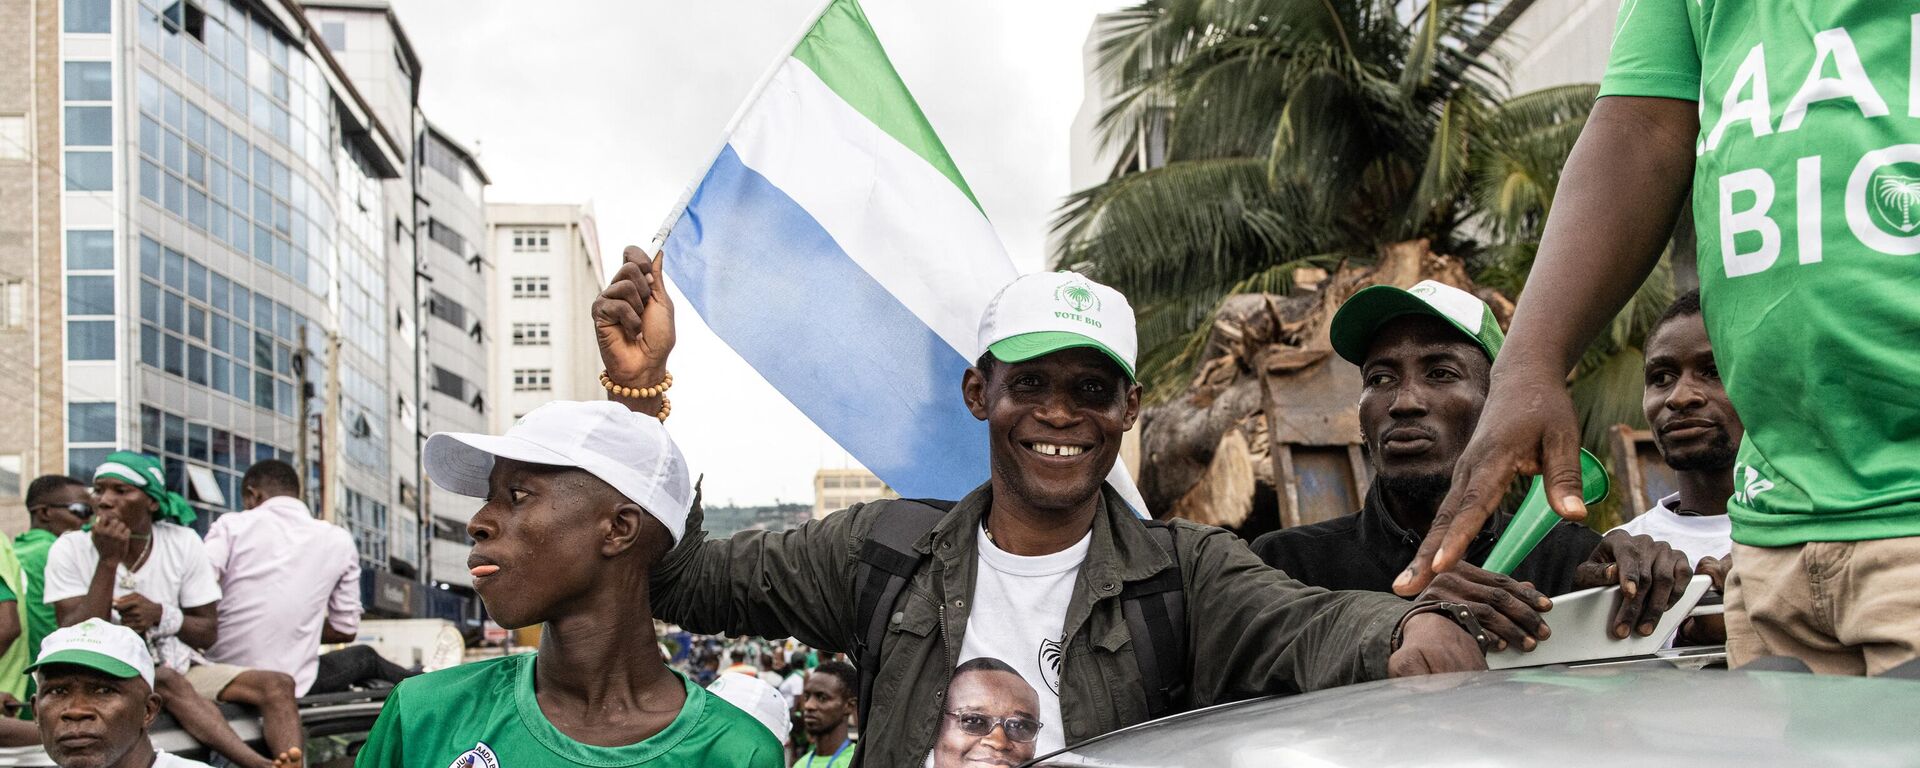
[1622, 189]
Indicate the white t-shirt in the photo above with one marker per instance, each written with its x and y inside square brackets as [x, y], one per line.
[1700, 536]
[176, 575]
[1019, 618]
[164, 760]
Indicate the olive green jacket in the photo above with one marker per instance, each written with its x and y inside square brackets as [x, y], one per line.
[1252, 630]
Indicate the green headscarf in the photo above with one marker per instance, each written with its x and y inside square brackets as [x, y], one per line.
[144, 472]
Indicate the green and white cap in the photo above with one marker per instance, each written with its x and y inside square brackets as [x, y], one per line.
[1045, 312]
[1363, 314]
[100, 646]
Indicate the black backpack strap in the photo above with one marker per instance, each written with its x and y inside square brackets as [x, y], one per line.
[1156, 614]
[887, 561]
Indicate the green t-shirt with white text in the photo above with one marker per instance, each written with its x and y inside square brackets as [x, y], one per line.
[484, 715]
[1806, 198]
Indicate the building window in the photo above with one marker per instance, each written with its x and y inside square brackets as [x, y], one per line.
[450, 384]
[90, 423]
[531, 334]
[89, 16]
[88, 80]
[532, 379]
[14, 144]
[447, 309]
[535, 287]
[90, 295]
[530, 240]
[446, 237]
[13, 304]
[89, 249]
[90, 340]
[89, 171]
[10, 487]
[335, 35]
[89, 126]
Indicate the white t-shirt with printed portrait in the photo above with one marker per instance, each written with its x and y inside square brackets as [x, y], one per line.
[1019, 617]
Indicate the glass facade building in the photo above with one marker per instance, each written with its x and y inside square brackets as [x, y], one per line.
[225, 278]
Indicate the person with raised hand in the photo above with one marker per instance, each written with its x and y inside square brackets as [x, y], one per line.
[1802, 203]
[1037, 567]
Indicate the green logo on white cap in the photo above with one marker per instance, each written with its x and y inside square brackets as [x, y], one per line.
[1080, 296]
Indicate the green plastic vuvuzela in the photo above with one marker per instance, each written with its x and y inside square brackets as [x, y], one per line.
[1534, 518]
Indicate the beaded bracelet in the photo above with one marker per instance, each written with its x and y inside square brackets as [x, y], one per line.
[640, 392]
[657, 390]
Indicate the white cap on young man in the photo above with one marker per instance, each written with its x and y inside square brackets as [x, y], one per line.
[755, 697]
[103, 647]
[1046, 312]
[629, 451]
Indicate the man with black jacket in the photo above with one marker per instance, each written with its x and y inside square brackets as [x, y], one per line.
[1030, 567]
[1424, 354]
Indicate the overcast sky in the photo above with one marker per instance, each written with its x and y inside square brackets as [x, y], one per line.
[621, 103]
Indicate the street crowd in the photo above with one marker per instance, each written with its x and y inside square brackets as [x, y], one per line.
[1040, 610]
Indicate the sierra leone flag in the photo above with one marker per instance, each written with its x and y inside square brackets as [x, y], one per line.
[836, 247]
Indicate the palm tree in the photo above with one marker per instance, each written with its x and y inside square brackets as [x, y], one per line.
[1306, 132]
[1316, 133]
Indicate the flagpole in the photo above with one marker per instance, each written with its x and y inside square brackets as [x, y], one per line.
[739, 113]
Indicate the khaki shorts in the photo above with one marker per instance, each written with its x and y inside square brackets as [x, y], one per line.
[1843, 607]
[209, 680]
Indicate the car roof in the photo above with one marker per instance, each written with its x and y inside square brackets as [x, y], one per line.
[1536, 717]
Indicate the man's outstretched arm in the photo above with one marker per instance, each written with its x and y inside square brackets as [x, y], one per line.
[1619, 195]
[1257, 631]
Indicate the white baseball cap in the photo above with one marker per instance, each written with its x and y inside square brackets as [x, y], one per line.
[629, 451]
[755, 697]
[1046, 312]
[100, 646]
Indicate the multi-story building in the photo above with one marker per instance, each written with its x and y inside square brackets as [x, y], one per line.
[548, 272]
[373, 49]
[439, 272]
[230, 235]
[205, 257]
[837, 489]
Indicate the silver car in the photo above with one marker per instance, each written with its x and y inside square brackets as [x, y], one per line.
[1624, 715]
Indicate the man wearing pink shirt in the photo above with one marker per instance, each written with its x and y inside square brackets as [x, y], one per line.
[289, 582]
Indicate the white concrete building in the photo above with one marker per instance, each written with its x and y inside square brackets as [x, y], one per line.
[1557, 42]
[837, 489]
[547, 271]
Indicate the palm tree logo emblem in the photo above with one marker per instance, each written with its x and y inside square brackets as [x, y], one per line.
[1079, 297]
[1898, 195]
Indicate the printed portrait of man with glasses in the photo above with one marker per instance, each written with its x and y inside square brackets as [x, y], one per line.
[992, 717]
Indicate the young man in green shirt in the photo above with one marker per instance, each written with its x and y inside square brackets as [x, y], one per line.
[1792, 123]
[56, 504]
[582, 499]
[827, 704]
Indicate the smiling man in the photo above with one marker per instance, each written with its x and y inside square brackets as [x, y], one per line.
[992, 717]
[1424, 354]
[96, 699]
[582, 499]
[1043, 566]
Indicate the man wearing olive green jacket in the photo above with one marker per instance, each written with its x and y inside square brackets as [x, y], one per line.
[1030, 568]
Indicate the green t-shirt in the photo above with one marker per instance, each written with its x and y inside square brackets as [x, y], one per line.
[31, 547]
[484, 715]
[839, 758]
[1806, 198]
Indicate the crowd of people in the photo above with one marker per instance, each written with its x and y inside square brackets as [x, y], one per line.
[239, 616]
[1040, 609]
